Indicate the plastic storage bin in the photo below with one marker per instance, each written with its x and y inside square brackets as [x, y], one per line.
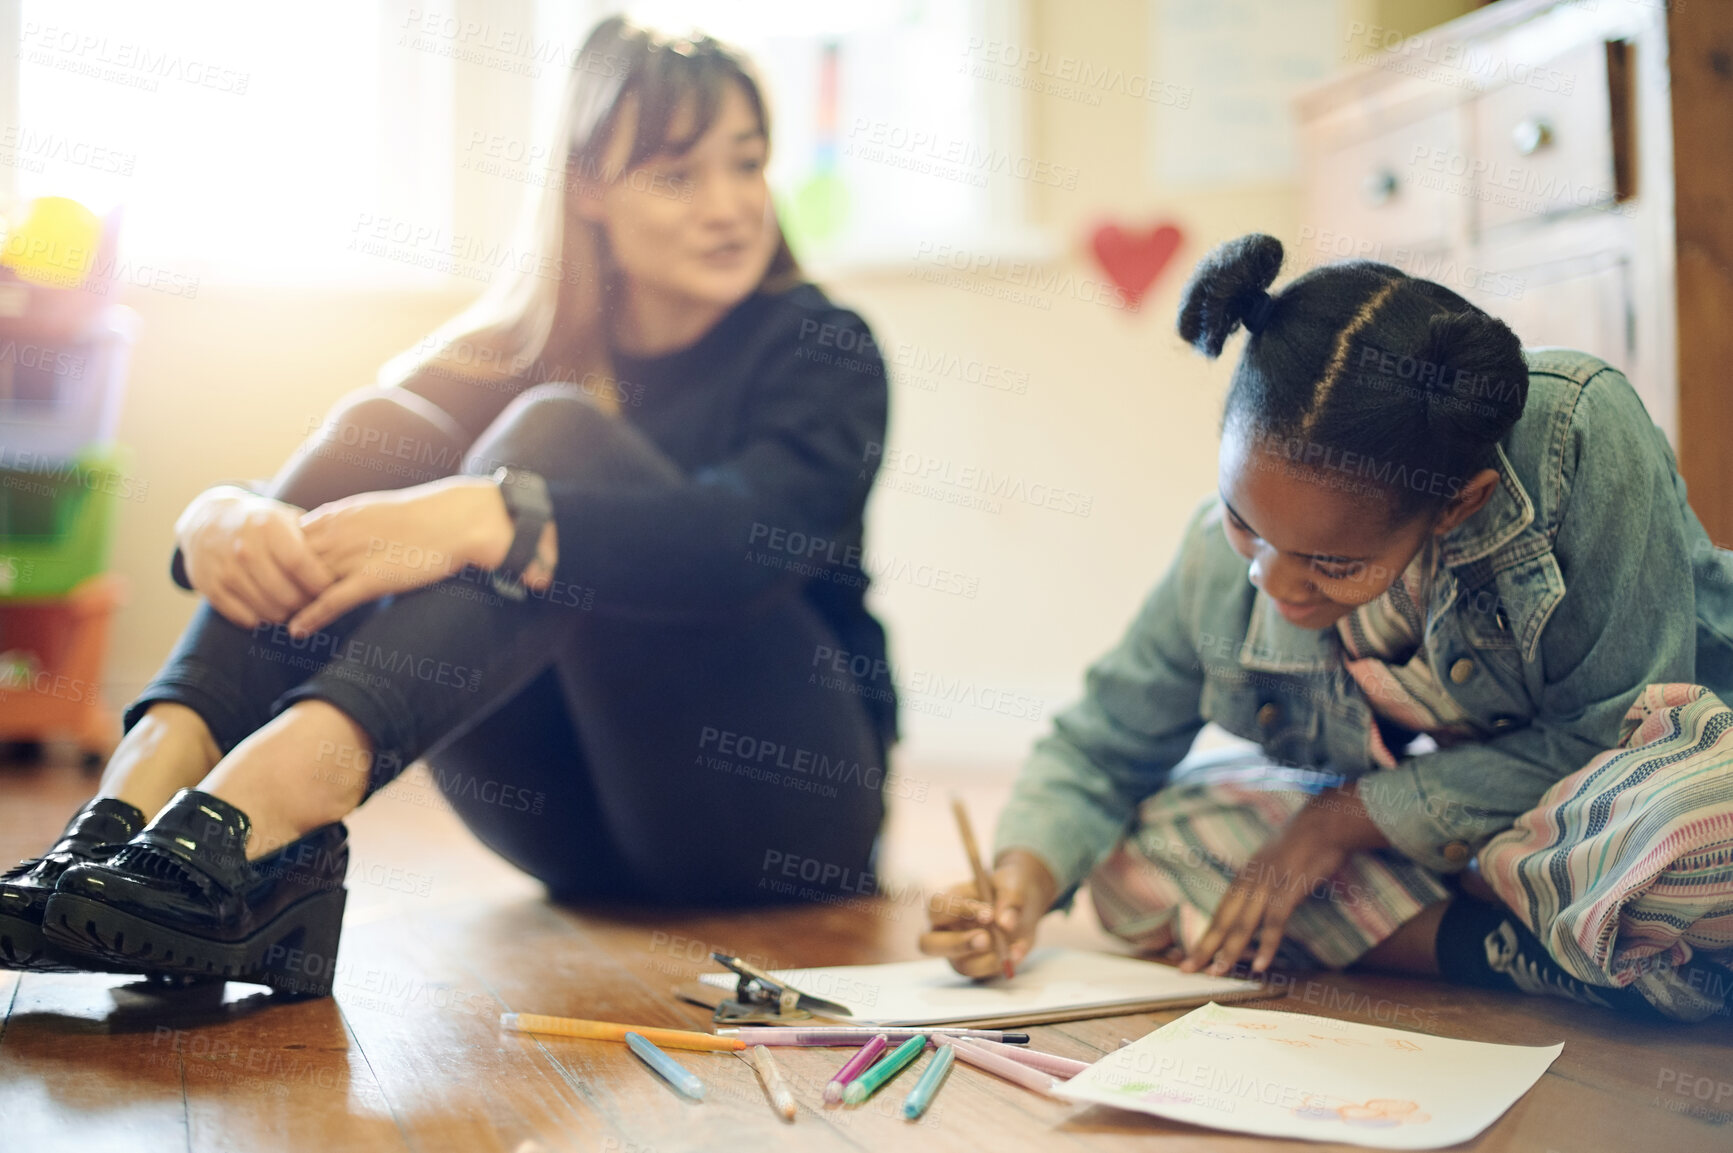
[51, 654]
[56, 520]
[57, 399]
[47, 312]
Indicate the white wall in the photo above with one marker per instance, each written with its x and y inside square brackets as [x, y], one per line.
[1116, 411]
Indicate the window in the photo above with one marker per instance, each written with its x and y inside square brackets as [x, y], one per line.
[883, 137]
[348, 141]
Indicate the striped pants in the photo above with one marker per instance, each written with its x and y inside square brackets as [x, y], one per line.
[1624, 868]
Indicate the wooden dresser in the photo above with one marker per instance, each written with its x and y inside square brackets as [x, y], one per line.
[1567, 166]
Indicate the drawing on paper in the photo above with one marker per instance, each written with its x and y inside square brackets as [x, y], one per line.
[1378, 1113]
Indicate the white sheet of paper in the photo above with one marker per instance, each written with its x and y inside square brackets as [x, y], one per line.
[932, 993]
[1315, 1078]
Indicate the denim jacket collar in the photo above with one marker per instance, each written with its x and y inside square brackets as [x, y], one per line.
[1275, 645]
[1507, 512]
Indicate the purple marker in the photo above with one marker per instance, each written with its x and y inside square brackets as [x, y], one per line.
[837, 1035]
[855, 1066]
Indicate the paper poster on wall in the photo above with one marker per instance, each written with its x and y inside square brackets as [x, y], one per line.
[1314, 1078]
[1239, 63]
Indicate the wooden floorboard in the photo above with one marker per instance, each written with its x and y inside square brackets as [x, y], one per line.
[440, 937]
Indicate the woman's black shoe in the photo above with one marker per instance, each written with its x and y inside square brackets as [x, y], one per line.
[182, 898]
[95, 832]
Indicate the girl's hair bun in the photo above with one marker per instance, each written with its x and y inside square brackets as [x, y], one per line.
[1227, 283]
[1475, 376]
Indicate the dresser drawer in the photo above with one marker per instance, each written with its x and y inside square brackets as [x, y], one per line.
[1544, 150]
[1366, 197]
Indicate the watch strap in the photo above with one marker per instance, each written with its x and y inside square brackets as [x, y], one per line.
[526, 501]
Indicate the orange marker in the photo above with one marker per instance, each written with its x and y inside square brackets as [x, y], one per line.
[610, 1031]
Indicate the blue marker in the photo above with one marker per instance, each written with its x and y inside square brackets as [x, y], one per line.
[928, 1086]
[676, 1074]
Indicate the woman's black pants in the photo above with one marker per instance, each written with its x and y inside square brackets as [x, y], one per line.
[654, 760]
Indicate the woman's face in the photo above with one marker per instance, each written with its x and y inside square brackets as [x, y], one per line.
[696, 228]
[1318, 549]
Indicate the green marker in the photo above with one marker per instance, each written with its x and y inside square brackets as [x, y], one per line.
[928, 1086]
[868, 1083]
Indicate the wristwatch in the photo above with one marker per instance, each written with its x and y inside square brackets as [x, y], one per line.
[526, 500]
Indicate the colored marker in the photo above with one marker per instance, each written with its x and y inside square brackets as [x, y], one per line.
[676, 1074]
[852, 1067]
[868, 1083]
[1004, 1067]
[1034, 1058]
[931, 1078]
[853, 1034]
[781, 1098]
[613, 1031]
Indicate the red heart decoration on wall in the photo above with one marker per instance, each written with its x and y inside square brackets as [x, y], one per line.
[1133, 258]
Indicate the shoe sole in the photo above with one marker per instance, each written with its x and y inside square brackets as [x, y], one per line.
[24, 948]
[296, 953]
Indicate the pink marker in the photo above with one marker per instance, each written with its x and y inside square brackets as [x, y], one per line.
[855, 1066]
[1036, 1059]
[1012, 1071]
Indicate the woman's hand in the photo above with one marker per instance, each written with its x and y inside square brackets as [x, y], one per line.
[1024, 890]
[378, 543]
[1295, 864]
[246, 554]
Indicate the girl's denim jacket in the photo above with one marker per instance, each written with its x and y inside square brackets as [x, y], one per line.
[1584, 578]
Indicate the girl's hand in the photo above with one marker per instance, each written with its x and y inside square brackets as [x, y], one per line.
[1295, 864]
[1287, 870]
[1024, 890]
[380, 543]
[246, 554]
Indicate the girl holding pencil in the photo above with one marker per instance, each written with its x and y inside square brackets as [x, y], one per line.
[550, 554]
[1439, 569]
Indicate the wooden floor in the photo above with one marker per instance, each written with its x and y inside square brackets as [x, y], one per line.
[441, 937]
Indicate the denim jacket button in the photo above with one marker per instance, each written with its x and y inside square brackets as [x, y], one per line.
[1455, 852]
[1269, 714]
[1461, 670]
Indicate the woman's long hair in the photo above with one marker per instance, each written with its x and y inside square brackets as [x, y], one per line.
[626, 83]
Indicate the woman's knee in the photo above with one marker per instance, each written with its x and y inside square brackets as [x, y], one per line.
[396, 424]
[542, 427]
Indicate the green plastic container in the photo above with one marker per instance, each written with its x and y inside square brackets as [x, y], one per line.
[57, 519]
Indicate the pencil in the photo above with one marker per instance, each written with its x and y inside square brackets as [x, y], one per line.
[611, 1031]
[983, 885]
[781, 1098]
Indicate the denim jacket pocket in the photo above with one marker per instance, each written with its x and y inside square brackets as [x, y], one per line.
[1475, 645]
[1273, 709]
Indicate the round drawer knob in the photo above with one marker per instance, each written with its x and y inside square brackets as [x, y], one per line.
[1462, 670]
[1531, 135]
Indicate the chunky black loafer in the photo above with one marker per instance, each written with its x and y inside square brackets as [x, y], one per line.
[181, 898]
[95, 832]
